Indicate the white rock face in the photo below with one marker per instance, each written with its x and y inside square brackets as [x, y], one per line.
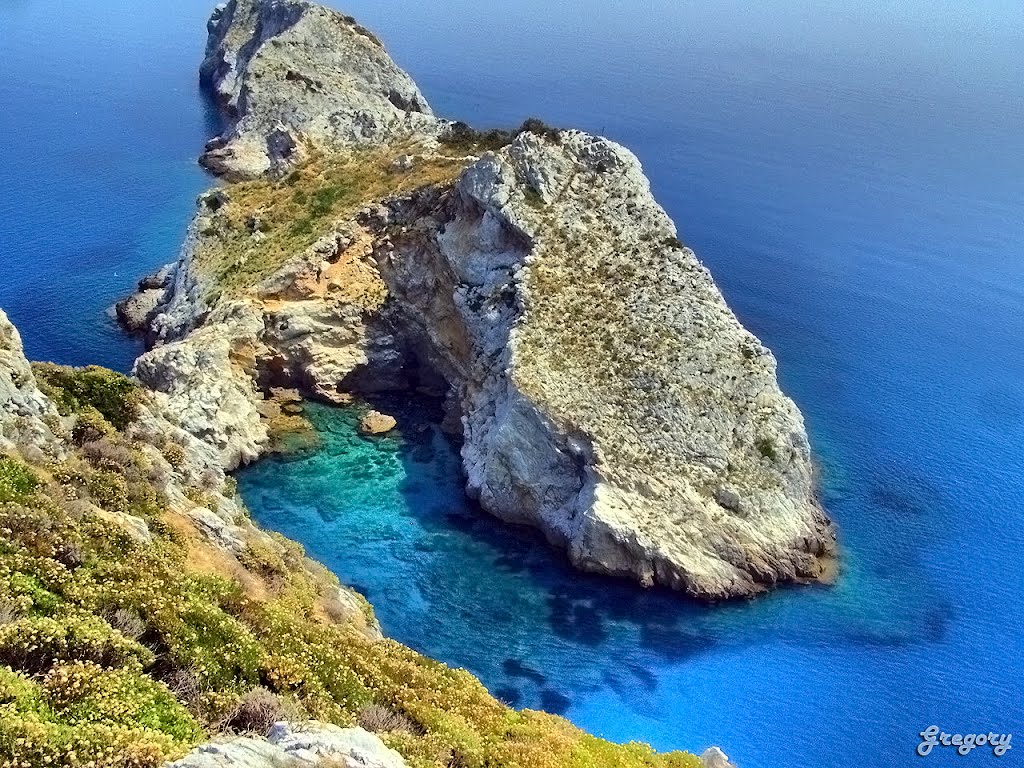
[24, 410]
[206, 380]
[713, 757]
[299, 745]
[289, 70]
[613, 400]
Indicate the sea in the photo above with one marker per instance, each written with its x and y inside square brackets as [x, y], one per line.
[851, 172]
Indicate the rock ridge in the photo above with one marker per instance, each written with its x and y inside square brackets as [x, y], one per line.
[290, 72]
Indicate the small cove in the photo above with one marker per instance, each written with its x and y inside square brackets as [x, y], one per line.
[389, 516]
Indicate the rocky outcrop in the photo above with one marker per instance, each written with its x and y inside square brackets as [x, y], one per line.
[313, 745]
[713, 757]
[607, 394]
[27, 417]
[136, 312]
[299, 745]
[612, 398]
[291, 72]
[207, 382]
[377, 423]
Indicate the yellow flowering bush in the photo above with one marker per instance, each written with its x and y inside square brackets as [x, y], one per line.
[34, 732]
[35, 643]
[117, 652]
[84, 692]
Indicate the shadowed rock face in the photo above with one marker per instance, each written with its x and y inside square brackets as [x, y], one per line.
[287, 70]
[607, 394]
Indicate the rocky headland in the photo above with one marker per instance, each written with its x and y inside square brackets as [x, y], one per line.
[605, 392]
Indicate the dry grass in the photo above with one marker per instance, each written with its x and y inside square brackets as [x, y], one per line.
[208, 559]
[377, 718]
[256, 713]
[265, 223]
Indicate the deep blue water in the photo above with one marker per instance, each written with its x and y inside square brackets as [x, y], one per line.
[853, 176]
[101, 121]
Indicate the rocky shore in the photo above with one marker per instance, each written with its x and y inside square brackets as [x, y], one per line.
[606, 393]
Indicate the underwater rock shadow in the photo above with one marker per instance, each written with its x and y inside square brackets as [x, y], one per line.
[581, 607]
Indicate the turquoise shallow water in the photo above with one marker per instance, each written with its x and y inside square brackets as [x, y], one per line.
[388, 515]
[853, 175]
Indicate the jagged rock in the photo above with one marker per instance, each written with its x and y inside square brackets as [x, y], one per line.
[25, 413]
[315, 742]
[713, 757]
[207, 382]
[241, 752]
[344, 605]
[135, 527]
[290, 69]
[301, 745]
[215, 528]
[161, 279]
[136, 312]
[377, 423]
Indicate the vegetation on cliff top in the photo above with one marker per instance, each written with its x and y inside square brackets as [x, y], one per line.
[251, 229]
[125, 650]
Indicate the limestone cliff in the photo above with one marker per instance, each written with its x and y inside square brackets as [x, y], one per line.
[607, 394]
[27, 417]
[289, 71]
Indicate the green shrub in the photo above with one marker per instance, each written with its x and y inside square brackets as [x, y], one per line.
[87, 717]
[264, 560]
[463, 137]
[37, 528]
[175, 455]
[766, 448]
[28, 590]
[18, 483]
[109, 490]
[540, 128]
[83, 692]
[200, 636]
[114, 395]
[34, 644]
[90, 426]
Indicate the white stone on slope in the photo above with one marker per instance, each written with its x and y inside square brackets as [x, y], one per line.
[299, 745]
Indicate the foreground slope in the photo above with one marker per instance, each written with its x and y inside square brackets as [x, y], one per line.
[141, 613]
[606, 393]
